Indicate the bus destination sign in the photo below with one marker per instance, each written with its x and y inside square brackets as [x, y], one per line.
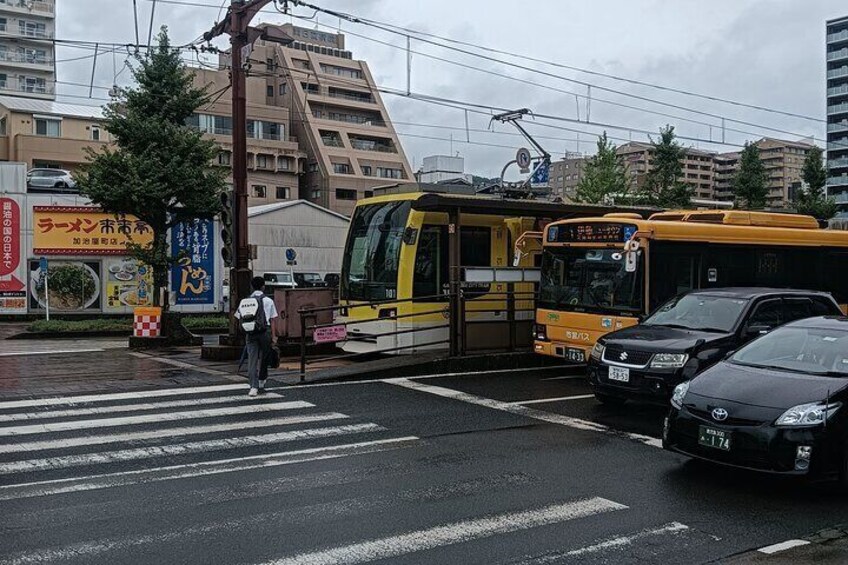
[591, 233]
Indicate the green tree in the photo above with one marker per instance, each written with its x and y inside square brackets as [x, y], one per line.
[157, 167]
[749, 183]
[812, 199]
[603, 175]
[663, 186]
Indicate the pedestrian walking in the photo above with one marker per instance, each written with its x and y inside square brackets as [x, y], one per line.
[255, 315]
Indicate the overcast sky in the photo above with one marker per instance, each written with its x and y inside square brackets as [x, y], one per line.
[767, 53]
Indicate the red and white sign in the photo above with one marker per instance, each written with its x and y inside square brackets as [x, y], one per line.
[330, 334]
[147, 322]
[12, 286]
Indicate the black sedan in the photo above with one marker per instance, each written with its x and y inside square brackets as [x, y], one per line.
[690, 333]
[775, 405]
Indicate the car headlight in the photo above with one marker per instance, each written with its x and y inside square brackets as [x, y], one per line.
[679, 394]
[811, 414]
[598, 351]
[668, 360]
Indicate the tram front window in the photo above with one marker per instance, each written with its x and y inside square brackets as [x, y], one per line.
[589, 280]
[372, 252]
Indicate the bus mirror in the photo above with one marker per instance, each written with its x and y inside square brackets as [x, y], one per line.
[630, 261]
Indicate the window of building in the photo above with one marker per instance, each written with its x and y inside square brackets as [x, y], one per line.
[341, 71]
[312, 168]
[224, 158]
[32, 84]
[263, 161]
[258, 190]
[282, 163]
[315, 194]
[3, 125]
[270, 65]
[259, 129]
[3, 24]
[48, 127]
[389, 173]
[345, 194]
[282, 89]
[3, 83]
[95, 133]
[283, 193]
[269, 91]
[366, 170]
[32, 29]
[369, 193]
[342, 169]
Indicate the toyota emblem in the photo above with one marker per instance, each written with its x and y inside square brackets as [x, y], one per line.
[623, 356]
[719, 414]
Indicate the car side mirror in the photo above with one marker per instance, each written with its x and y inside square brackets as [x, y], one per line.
[756, 331]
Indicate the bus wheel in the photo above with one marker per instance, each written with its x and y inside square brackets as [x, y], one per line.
[610, 400]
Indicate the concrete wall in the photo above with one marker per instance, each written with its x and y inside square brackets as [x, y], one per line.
[316, 235]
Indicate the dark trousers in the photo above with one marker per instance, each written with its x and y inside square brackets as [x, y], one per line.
[258, 350]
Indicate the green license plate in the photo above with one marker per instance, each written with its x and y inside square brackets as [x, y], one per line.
[711, 437]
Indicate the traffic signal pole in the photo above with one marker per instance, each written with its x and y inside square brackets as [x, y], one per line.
[242, 36]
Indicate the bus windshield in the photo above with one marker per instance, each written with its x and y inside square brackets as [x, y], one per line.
[589, 280]
[372, 253]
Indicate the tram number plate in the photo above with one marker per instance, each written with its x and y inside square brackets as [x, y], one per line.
[711, 437]
[575, 354]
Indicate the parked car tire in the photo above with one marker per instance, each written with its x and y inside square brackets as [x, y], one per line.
[610, 400]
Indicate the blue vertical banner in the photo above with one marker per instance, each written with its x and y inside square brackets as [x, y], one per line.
[193, 277]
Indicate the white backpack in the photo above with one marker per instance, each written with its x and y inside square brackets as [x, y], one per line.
[252, 315]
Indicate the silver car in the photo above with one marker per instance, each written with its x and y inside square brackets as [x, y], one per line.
[50, 178]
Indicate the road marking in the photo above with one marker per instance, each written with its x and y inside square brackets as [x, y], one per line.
[546, 400]
[166, 432]
[175, 449]
[563, 378]
[54, 352]
[184, 365]
[203, 468]
[449, 534]
[94, 411]
[619, 542]
[110, 397]
[519, 410]
[783, 546]
[249, 408]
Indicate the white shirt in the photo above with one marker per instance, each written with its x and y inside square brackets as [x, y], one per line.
[267, 303]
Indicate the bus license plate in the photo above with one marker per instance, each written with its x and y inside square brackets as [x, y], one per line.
[711, 437]
[576, 355]
[620, 374]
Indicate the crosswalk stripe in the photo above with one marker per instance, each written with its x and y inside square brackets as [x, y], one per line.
[457, 532]
[166, 432]
[110, 397]
[187, 448]
[547, 400]
[625, 541]
[255, 406]
[93, 411]
[203, 468]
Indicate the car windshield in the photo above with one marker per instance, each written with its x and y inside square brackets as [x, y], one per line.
[802, 350]
[372, 253]
[699, 312]
[278, 277]
[589, 280]
[311, 277]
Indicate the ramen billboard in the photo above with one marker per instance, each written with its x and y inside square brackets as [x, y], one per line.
[85, 230]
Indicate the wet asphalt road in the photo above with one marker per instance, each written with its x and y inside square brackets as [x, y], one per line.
[175, 466]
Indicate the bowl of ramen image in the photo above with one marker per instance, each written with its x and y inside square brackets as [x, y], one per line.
[131, 298]
[71, 286]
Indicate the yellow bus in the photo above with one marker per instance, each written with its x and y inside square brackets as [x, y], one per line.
[606, 273]
[396, 268]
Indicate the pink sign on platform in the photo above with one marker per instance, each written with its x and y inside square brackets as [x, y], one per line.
[330, 334]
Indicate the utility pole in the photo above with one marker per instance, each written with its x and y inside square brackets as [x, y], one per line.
[236, 24]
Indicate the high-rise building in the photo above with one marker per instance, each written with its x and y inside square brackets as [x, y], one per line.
[784, 165]
[698, 171]
[337, 115]
[837, 109]
[726, 165]
[27, 54]
[565, 175]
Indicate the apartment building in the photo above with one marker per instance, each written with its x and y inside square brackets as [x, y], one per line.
[726, 165]
[337, 115]
[27, 57]
[565, 176]
[274, 159]
[837, 109]
[43, 133]
[698, 171]
[784, 165]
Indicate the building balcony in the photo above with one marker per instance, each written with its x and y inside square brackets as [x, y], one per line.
[838, 36]
[837, 108]
[24, 33]
[840, 144]
[349, 118]
[366, 146]
[840, 197]
[838, 181]
[839, 126]
[29, 7]
[365, 99]
[25, 61]
[839, 163]
[837, 90]
[838, 73]
[836, 55]
[35, 91]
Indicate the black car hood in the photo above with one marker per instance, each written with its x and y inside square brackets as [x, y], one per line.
[661, 338]
[763, 387]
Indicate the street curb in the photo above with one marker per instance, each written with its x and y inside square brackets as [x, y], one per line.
[105, 333]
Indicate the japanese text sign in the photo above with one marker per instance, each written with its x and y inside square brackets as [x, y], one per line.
[193, 278]
[12, 276]
[83, 230]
